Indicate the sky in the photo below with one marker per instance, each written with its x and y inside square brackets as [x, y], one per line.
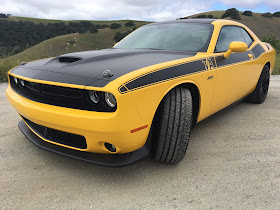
[149, 10]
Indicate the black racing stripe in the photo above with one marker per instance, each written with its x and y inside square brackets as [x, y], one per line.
[233, 58]
[123, 89]
[185, 69]
[168, 73]
[258, 50]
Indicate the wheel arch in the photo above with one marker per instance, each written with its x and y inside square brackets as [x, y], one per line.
[195, 92]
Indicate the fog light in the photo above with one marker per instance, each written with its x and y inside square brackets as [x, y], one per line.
[110, 147]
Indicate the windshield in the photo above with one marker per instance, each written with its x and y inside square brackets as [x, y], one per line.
[172, 37]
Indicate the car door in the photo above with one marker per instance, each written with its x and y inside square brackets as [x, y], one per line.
[233, 73]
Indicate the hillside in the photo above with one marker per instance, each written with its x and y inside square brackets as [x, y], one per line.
[46, 21]
[261, 26]
[65, 44]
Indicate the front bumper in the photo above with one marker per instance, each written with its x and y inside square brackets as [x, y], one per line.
[112, 160]
[97, 128]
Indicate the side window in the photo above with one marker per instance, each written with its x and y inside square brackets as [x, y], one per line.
[230, 34]
[247, 37]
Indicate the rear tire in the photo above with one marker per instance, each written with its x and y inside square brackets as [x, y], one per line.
[258, 96]
[172, 126]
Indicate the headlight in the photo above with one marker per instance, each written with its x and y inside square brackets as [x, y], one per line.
[15, 80]
[93, 96]
[110, 100]
[22, 82]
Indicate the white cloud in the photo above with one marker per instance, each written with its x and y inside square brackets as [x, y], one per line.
[251, 4]
[154, 10]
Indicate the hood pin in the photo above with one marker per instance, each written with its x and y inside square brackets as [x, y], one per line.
[107, 73]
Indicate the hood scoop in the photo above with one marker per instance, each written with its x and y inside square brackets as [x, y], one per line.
[68, 59]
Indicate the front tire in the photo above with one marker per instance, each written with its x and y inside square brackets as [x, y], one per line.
[172, 126]
[258, 96]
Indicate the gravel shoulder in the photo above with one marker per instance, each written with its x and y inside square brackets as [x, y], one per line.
[233, 162]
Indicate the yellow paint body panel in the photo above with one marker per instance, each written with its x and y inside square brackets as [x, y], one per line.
[137, 107]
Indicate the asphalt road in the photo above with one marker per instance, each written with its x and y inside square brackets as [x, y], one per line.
[233, 162]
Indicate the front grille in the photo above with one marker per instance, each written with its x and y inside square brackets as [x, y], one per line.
[57, 136]
[57, 96]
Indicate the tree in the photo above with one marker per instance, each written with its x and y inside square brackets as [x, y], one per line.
[115, 26]
[233, 13]
[276, 14]
[201, 16]
[247, 13]
[120, 35]
[93, 30]
[267, 15]
[3, 15]
[210, 16]
[129, 24]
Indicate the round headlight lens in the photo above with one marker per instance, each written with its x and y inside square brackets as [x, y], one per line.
[93, 96]
[15, 80]
[110, 100]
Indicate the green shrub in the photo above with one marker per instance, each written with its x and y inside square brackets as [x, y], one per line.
[267, 15]
[277, 65]
[273, 41]
[129, 24]
[247, 13]
[115, 26]
[4, 68]
[233, 13]
[210, 16]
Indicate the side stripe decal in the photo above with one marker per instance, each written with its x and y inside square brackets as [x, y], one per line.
[206, 64]
[258, 50]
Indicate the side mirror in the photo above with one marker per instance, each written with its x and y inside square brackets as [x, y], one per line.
[236, 47]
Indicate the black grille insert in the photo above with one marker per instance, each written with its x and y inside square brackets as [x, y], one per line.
[58, 96]
[57, 136]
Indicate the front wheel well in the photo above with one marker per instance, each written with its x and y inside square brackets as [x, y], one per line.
[195, 98]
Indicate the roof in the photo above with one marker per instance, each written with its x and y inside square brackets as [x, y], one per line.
[194, 20]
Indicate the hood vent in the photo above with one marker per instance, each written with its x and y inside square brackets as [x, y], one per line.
[68, 59]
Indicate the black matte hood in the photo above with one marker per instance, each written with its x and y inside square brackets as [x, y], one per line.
[86, 68]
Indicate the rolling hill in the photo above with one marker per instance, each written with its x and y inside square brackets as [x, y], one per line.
[263, 27]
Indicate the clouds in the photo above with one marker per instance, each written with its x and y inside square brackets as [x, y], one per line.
[251, 4]
[154, 10]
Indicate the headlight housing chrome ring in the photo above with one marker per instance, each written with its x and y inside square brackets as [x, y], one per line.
[93, 96]
[110, 99]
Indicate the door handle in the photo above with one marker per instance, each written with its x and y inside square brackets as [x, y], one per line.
[250, 56]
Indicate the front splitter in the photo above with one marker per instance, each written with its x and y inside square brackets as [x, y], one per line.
[111, 160]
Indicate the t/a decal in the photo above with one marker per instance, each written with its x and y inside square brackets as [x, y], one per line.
[209, 63]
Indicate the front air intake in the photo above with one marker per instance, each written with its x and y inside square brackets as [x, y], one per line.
[68, 59]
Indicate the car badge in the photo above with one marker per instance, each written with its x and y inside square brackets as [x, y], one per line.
[107, 73]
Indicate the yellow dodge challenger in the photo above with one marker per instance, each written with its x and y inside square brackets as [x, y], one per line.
[116, 106]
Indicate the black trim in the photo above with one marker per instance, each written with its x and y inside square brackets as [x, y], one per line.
[233, 58]
[243, 37]
[57, 136]
[113, 160]
[258, 50]
[60, 96]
